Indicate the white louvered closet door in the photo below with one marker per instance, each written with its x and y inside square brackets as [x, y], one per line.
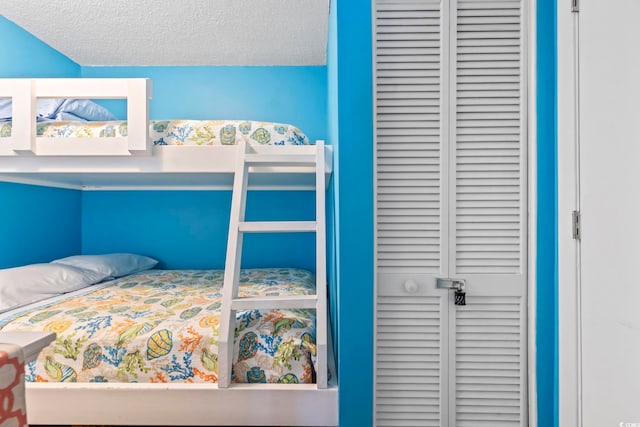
[451, 203]
[488, 213]
[411, 321]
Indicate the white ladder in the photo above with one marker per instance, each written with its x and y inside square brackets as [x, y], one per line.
[283, 159]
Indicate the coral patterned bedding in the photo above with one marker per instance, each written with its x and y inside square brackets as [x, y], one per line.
[162, 326]
[177, 132]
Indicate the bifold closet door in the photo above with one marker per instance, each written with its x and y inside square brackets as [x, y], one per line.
[450, 95]
[488, 213]
[411, 315]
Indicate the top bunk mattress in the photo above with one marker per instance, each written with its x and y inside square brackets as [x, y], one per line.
[175, 132]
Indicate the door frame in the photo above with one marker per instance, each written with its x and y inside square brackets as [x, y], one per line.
[532, 228]
[532, 196]
[569, 313]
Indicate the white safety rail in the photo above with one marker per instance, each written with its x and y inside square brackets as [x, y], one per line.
[25, 141]
[246, 157]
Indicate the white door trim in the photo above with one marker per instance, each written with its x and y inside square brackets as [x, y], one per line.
[532, 146]
[568, 249]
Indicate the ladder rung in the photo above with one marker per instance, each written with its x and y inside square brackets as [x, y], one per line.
[277, 226]
[280, 159]
[256, 303]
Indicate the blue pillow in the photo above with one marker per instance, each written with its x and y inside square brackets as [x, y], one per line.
[5, 108]
[111, 265]
[62, 109]
[72, 109]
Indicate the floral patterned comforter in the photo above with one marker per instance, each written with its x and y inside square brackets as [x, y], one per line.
[177, 132]
[162, 326]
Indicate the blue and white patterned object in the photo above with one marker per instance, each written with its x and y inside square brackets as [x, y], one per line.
[164, 325]
[178, 132]
[61, 109]
[224, 132]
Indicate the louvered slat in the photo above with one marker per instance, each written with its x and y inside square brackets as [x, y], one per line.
[488, 139]
[408, 134]
[408, 360]
[489, 362]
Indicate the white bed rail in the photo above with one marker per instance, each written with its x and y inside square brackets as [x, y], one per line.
[24, 140]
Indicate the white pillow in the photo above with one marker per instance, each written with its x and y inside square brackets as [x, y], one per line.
[23, 285]
[113, 265]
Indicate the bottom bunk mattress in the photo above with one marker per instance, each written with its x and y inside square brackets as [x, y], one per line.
[163, 326]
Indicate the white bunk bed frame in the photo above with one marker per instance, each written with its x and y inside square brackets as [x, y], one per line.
[124, 163]
[133, 163]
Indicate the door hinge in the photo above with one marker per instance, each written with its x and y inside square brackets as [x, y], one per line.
[575, 6]
[577, 227]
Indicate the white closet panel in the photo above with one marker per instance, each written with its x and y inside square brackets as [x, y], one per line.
[411, 325]
[489, 146]
[450, 153]
[489, 209]
[408, 152]
[409, 336]
[489, 365]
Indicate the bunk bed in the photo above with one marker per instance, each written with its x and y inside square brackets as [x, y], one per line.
[131, 161]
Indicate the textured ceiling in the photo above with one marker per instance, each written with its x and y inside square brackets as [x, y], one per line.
[178, 32]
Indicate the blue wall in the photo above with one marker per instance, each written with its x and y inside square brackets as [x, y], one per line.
[23, 55]
[185, 230]
[547, 239]
[296, 95]
[37, 224]
[188, 229]
[352, 120]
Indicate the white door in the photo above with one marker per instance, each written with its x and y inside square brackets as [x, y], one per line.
[450, 89]
[609, 197]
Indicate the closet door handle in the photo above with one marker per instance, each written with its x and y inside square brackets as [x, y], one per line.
[458, 285]
[455, 284]
[410, 286]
